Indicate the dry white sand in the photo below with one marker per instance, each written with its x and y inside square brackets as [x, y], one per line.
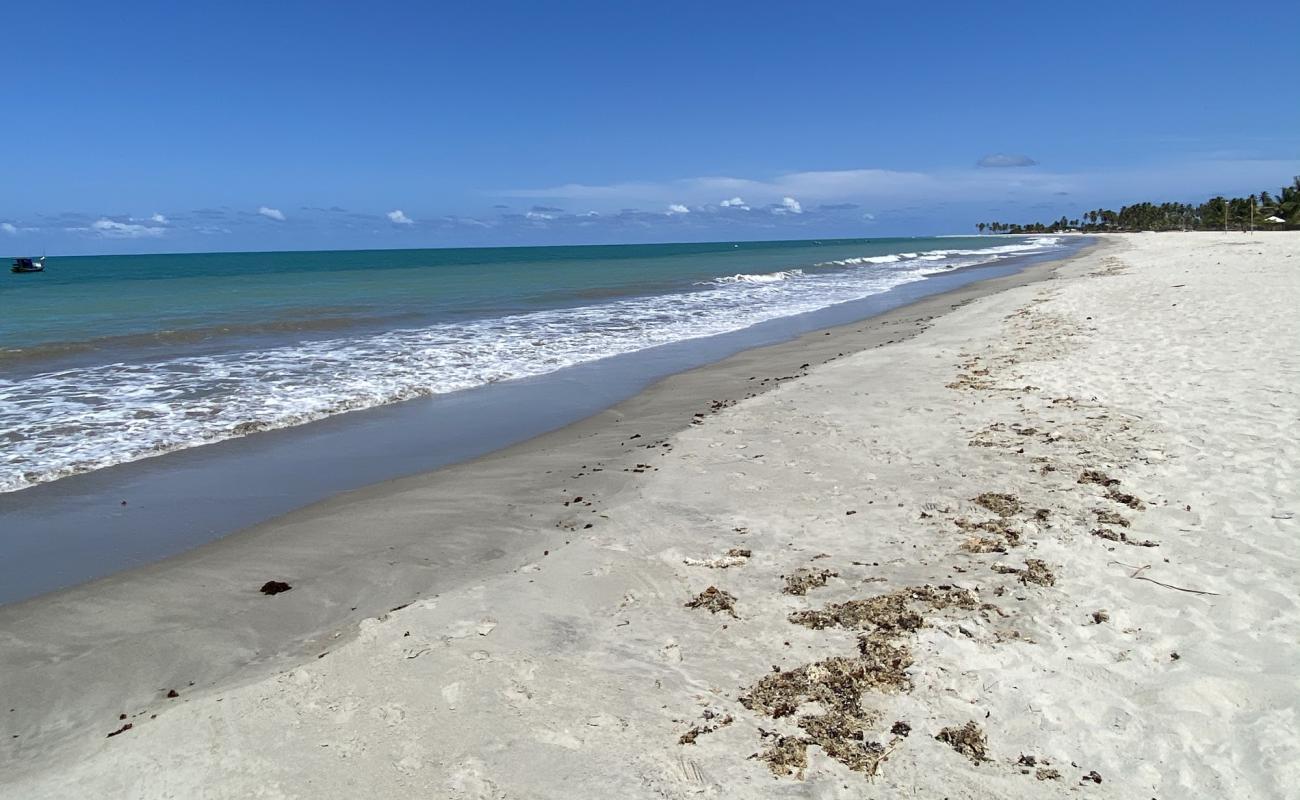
[1168, 364]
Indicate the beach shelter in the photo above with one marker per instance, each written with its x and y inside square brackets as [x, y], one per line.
[1274, 220]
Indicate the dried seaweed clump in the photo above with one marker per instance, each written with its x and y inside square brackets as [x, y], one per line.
[801, 581]
[968, 740]
[1000, 532]
[697, 731]
[715, 600]
[1004, 505]
[1098, 477]
[1035, 571]
[1125, 499]
[1106, 517]
[887, 612]
[836, 685]
[787, 755]
[1121, 536]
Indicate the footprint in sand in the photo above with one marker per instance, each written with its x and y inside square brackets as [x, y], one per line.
[390, 714]
[451, 695]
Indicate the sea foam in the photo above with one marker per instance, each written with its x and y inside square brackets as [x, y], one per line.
[74, 420]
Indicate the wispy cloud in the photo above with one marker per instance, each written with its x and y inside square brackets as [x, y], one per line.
[818, 193]
[1006, 160]
[678, 208]
[159, 218]
[271, 213]
[112, 229]
[397, 217]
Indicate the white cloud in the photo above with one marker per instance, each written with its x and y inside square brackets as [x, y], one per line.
[399, 218]
[9, 228]
[538, 216]
[271, 213]
[124, 230]
[734, 202]
[678, 208]
[791, 205]
[159, 218]
[972, 186]
[868, 216]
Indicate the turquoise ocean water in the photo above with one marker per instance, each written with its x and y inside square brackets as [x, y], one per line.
[110, 359]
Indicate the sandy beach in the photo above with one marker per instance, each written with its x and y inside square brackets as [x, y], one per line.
[1035, 537]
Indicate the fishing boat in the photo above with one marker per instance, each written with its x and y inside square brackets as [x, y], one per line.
[28, 265]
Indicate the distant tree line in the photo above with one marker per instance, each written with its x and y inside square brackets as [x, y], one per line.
[1238, 213]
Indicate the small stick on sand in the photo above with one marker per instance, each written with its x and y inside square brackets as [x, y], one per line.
[1137, 574]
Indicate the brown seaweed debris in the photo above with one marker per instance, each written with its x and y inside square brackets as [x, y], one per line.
[969, 740]
[1098, 477]
[1034, 571]
[1125, 499]
[128, 726]
[998, 527]
[715, 600]
[787, 755]
[1121, 536]
[982, 544]
[886, 612]
[274, 587]
[1004, 505]
[697, 731]
[1047, 774]
[1106, 517]
[801, 581]
[836, 683]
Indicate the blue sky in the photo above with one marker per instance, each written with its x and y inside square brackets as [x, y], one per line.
[156, 127]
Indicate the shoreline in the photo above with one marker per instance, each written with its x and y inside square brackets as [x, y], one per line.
[435, 532]
[79, 528]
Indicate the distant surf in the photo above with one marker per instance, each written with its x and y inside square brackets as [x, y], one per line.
[200, 359]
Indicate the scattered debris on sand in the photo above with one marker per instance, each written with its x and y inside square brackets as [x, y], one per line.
[1122, 537]
[697, 731]
[1125, 499]
[1034, 571]
[1098, 477]
[1106, 517]
[801, 581]
[1004, 505]
[125, 727]
[715, 600]
[836, 687]
[275, 587]
[969, 740]
[787, 755]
